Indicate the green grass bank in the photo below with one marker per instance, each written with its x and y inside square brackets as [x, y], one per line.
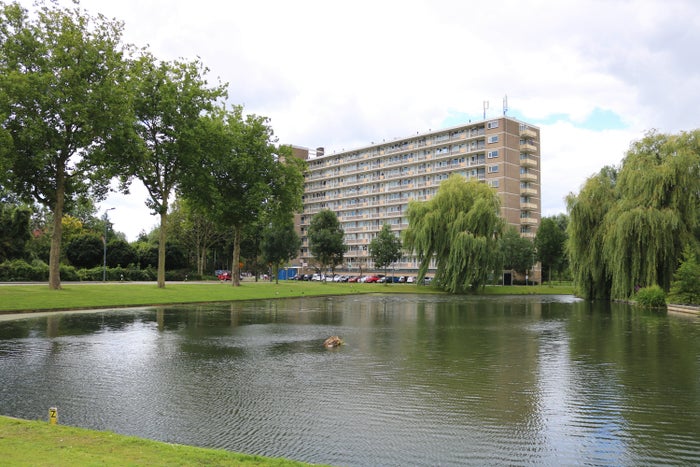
[77, 296]
[37, 443]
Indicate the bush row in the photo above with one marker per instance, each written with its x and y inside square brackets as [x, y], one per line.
[37, 271]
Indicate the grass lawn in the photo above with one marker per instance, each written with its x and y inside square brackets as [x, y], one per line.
[37, 443]
[73, 296]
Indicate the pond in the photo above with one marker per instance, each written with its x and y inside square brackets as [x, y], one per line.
[421, 380]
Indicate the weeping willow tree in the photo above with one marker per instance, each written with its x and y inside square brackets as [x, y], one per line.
[586, 232]
[460, 228]
[635, 237]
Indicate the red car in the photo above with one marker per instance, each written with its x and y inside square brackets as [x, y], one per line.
[224, 276]
[371, 279]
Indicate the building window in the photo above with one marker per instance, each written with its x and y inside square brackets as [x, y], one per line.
[492, 154]
[493, 169]
[493, 139]
[494, 183]
[492, 124]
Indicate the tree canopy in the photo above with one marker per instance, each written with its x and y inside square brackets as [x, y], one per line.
[64, 103]
[280, 243]
[326, 239]
[169, 98]
[550, 244]
[459, 228]
[385, 248]
[518, 252]
[628, 229]
[244, 174]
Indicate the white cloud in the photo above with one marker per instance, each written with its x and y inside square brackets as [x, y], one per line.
[341, 75]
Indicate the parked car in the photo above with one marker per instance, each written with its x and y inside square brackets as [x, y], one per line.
[370, 279]
[224, 275]
[353, 278]
[410, 279]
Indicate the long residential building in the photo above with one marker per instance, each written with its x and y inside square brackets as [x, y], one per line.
[372, 185]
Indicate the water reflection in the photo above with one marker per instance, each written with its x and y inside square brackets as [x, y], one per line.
[421, 381]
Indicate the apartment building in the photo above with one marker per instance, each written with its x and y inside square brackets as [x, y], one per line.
[370, 186]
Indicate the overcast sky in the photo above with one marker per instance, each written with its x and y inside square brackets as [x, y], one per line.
[593, 75]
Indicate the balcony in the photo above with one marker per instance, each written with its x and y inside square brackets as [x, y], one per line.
[528, 177]
[528, 221]
[528, 133]
[529, 162]
[528, 206]
[528, 147]
[529, 191]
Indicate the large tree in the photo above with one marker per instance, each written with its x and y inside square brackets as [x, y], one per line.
[170, 98]
[65, 106]
[280, 243]
[385, 248]
[326, 240]
[459, 228]
[550, 244]
[244, 175]
[629, 231]
[518, 252]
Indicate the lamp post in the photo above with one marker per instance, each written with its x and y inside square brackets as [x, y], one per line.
[104, 244]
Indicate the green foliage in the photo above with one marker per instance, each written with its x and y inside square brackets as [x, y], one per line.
[550, 244]
[326, 239]
[652, 297]
[169, 98]
[65, 106]
[244, 176]
[630, 230]
[120, 253]
[685, 288]
[518, 252]
[385, 248]
[14, 231]
[19, 270]
[280, 243]
[460, 228]
[85, 251]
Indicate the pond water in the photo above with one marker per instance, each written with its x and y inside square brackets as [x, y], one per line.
[421, 380]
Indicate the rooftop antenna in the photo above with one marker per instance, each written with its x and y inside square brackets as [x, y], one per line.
[486, 106]
[505, 104]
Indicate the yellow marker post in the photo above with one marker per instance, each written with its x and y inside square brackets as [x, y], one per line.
[53, 415]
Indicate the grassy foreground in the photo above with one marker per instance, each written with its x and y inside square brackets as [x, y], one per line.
[36, 443]
[74, 296]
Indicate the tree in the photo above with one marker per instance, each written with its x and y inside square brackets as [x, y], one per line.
[120, 253]
[244, 175]
[459, 228]
[326, 240]
[628, 230]
[518, 252]
[280, 243]
[385, 248]
[85, 250]
[194, 230]
[587, 233]
[65, 106]
[169, 99]
[14, 231]
[685, 288]
[550, 244]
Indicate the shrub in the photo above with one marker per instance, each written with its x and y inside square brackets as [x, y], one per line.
[685, 288]
[652, 297]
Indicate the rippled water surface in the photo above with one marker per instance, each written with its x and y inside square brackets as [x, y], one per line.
[421, 380]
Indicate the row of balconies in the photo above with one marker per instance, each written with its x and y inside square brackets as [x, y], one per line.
[316, 166]
[372, 178]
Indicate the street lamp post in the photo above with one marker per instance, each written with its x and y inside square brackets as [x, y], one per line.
[104, 244]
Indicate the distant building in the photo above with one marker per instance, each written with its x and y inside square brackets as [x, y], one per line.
[370, 186]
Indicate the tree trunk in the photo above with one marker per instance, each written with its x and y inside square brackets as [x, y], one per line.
[55, 252]
[161, 246]
[235, 269]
